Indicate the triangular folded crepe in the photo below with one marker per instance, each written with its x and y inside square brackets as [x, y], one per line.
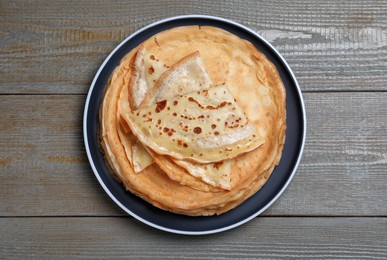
[146, 70]
[188, 74]
[203, 126]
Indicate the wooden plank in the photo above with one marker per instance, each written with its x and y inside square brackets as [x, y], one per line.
[44, 169]
[43, 164]
[114, 237]
[331, 45]
[343, 170]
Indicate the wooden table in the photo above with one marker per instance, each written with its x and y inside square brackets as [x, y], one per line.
[51, 203]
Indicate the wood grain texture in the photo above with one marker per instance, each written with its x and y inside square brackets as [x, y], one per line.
[279, 238]
[344, 166]
[52, 206]
[57, 46]
[43, 163]
[45, 172]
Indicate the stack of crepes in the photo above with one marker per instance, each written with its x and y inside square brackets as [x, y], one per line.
[193, 120]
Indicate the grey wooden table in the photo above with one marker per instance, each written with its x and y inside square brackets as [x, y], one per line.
[51, 205]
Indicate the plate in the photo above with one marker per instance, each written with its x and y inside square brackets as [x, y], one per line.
[255, 205]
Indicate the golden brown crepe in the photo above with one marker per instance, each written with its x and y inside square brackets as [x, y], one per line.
[252, 80]
[188, 74]
[197, 128]
[146, 69]
[201, 126]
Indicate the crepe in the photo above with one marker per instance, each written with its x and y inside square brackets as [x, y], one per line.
[186, 75]
[146, 69]
[252, 80]
[202, 126]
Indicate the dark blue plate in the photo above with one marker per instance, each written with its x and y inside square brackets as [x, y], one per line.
[278, 181]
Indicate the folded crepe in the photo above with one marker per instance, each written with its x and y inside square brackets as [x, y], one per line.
[259, 94]
[201, 126]
[188, 74]
[145, 70]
